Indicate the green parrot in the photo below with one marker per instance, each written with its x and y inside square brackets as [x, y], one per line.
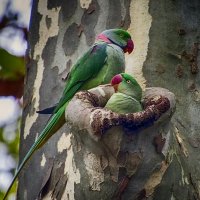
[127, 98]
[97, 66]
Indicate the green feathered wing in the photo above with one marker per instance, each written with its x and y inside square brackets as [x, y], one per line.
[85, 69]
[91, 69]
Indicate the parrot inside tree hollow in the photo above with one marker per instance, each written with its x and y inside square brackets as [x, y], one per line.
[97, 66]
[127, 98]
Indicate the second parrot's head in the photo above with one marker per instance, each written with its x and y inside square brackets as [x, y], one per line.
[118, 37]
[126, 84]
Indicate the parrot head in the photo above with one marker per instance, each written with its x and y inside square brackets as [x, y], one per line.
[118, 37]
[126, 84]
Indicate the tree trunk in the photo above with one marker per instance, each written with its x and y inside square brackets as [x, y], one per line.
[159, 162]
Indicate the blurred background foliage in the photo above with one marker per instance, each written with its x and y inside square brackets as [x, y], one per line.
[14, 21]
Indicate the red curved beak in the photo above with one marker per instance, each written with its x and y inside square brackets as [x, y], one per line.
[129, 47]
[115, 81]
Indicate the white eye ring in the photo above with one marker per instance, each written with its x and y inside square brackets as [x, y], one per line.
[128, 81]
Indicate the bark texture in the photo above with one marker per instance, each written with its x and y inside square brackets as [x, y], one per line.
[160, 162]
[119, 148]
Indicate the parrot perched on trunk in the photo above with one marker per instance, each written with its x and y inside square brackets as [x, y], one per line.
[127, 98]
[97, 66]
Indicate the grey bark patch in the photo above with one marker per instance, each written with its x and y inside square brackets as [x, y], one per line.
[64, 75]
[178, 190]
[194, 142]
[127, 20]
[114, 15]
[54, 182]
[50, 46]
[48, 22]
[28, 92]
[89, 20]
[49, 88]
[33, 36]
[68, 9]
[71, 39]
[48, 171]
[53, 4]
[159, 143]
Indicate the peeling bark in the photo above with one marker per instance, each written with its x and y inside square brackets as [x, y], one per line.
[110, 139]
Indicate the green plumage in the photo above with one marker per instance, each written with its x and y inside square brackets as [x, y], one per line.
[123, 104]
[97, 66]
[128, 96]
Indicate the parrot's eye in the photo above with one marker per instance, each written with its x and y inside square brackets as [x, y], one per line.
[128, 81]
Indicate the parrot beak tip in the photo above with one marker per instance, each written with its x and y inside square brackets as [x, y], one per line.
[129, 47]
[115, 87]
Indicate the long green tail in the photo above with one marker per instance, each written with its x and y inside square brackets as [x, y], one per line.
[55, 122]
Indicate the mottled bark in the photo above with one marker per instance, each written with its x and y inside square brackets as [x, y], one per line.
[114, 147]
[160, 162]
